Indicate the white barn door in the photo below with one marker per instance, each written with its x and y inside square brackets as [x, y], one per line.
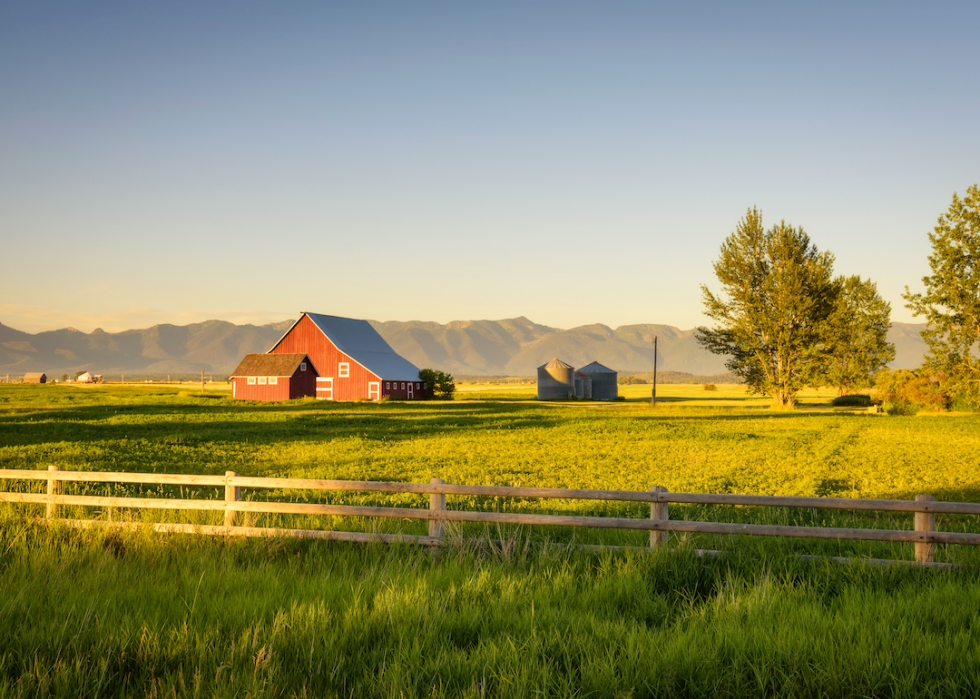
[324, 388]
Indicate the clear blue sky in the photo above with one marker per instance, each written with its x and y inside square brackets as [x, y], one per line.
[571, 162]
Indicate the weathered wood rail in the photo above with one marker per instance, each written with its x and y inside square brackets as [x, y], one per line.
[924, 535]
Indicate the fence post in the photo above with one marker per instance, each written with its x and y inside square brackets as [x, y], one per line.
[55, 487]
[925, 522]
[437, 502]
[658, 510]
[232, 494]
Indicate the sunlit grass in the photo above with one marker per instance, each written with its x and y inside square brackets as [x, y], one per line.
[139, 614]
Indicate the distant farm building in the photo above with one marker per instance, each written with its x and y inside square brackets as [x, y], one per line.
[35, 377]
[558, 380]
[604, 381]
[354, 362]
[555, 380]
[279, 376]
[88, 377]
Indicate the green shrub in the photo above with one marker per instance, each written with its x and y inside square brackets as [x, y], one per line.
[923, 390]
[710, 387]
[900, 407]
[964, 403]
[439, 382]
[856, 400]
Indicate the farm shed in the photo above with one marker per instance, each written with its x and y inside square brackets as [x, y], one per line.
[35, 377]
[274, 377]
[605, 381]
[354, 361]
[555, 380]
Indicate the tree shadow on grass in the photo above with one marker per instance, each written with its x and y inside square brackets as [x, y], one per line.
[307, 422]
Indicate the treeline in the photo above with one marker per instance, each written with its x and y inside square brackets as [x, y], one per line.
[677, 377]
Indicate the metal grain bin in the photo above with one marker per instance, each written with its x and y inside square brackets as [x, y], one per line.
[605, 381]
[583, 385]
[555, 380]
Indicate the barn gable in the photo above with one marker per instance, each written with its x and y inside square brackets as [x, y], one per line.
[363, 344]
[354, 362]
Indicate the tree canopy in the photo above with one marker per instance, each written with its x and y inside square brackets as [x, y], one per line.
[951, 302]
[857, 335]
[780, 295]
[439, 381]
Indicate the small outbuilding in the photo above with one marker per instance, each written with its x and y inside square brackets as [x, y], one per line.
[35, 377]
[605, 381]
[274, 377]
[556, 380]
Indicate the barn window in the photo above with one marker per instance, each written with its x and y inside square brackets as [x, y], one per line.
[250, 380]
[387, 385]
[261, 381]
[403, 385]
[425, 385]
[344, 369]
[273, 380]
[302, 366]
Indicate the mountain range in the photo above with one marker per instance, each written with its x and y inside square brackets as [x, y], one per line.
[514, 347]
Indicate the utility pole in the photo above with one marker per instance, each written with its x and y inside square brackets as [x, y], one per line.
[202, 380]
[653, 397]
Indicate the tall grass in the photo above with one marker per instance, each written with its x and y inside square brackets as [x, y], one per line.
[92, 613]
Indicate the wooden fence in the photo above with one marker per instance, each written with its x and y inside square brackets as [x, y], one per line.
[924, 507]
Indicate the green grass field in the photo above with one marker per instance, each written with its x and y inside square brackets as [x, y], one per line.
[87, 613]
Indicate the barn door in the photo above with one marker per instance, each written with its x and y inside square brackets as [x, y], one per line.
[374, 390]
[324, 388]
[410, 385]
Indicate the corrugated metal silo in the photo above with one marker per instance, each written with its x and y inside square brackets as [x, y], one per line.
[555, 380]
[583, 385]
[605, 381]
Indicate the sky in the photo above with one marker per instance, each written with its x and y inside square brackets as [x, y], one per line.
[571, 162]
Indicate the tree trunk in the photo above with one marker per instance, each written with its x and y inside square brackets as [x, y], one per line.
[782, 398]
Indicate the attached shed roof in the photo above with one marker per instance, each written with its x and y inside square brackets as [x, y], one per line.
[362, 343]
[596, 368]
[270, 364]
[556, 364]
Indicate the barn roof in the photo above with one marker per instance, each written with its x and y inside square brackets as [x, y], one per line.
[33, 375]
[596, 368]
[362, 343]
[270, 364]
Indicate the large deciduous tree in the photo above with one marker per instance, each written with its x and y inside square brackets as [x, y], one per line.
[780, 295]
[857, 336]
[951, 302]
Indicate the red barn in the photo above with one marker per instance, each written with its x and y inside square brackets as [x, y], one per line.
[353, 360]
[274, 377]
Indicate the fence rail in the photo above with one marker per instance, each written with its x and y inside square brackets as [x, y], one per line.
[924, 508]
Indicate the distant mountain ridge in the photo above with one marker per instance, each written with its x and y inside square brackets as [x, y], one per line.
[515, 347]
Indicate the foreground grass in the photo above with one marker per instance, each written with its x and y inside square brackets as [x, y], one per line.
[90, 614]
[136, 614]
